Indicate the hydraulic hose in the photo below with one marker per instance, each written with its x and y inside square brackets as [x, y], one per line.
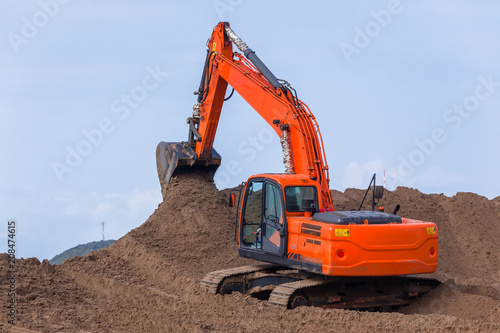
[250, 54]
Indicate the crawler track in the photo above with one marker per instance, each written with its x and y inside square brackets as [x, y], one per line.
[282, 294]
[291, 288]
[371, 293]
[214, 282]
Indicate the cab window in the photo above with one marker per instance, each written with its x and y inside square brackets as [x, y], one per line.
[273, 204]
[252, 216]
[295, 194]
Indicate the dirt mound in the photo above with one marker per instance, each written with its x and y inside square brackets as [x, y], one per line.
[193, 228]
[148, 280]
[45, 295]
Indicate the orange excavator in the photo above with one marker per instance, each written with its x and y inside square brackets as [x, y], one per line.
[313, 254]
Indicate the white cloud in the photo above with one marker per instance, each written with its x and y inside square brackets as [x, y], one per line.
[72, 210]
[429, 179]
[139, 199]
[435, 176]
[358, 176]
[353, 175]
[96, 207]
[103, 208]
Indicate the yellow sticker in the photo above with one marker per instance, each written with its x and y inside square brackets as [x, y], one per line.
[431, 230]
[214, 46]
[342, 232]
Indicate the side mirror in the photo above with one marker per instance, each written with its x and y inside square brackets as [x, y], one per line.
[379, 192]
[232, 199]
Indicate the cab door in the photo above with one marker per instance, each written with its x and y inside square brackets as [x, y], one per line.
[263, 222]
[251, 217]
[273, 229]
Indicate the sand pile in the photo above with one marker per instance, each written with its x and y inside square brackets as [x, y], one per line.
[148, 280]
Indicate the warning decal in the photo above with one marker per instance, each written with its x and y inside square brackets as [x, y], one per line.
[342, 232]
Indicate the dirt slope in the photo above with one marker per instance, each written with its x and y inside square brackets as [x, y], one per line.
[148, 280]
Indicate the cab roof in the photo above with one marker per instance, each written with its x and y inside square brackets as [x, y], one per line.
[287, 179]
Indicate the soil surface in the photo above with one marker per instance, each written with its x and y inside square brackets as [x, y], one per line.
[148, 281]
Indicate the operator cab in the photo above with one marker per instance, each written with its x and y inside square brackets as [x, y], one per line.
[266, 202]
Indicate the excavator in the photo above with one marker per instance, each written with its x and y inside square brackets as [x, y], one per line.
[311, 254]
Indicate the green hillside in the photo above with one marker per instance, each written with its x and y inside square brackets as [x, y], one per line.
[80, 250]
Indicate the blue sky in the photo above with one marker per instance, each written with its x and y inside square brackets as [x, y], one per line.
[89, 88]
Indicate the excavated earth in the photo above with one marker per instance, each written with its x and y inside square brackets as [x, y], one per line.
[148, 281]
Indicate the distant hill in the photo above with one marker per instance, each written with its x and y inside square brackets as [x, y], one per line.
[80, 250]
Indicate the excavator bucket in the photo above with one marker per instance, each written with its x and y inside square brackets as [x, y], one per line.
[173, 156]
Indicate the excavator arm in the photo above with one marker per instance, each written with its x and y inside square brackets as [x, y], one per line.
[273, 99]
